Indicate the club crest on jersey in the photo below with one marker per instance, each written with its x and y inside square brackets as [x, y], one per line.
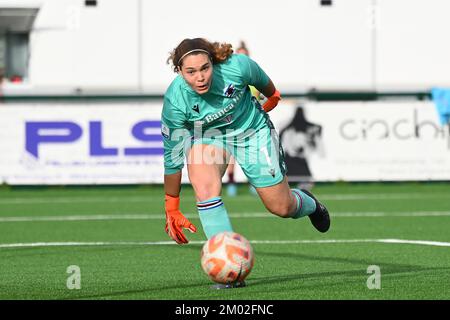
[230, 90]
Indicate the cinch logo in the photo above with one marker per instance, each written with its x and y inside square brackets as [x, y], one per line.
[405, 128]
[44, 132]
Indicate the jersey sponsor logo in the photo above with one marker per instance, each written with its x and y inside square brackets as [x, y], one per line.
[230, 90]
[165, 131]
[218, 115]
[222, 113]
[196, 108]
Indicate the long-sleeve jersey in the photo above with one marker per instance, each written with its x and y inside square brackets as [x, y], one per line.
[224, 112]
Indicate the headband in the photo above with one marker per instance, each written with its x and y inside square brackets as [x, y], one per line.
[189, 52]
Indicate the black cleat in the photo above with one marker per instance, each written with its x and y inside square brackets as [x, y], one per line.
[231, 285]
[320, 218]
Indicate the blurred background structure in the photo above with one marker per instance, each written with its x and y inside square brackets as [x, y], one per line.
[83, 82]
[111, 45]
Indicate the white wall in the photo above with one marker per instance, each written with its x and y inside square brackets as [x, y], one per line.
[413, 50]
[299, 43]
[122, 45]
[94, 48]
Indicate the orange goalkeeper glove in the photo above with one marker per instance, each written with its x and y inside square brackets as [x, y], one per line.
[176, 221]
[272, 101]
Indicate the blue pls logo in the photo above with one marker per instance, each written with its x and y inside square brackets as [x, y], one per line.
[63, 132]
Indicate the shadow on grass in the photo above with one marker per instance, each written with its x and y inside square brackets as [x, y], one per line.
[388, 268]
[254, 283]
[24, 252]
[358, 268]
[333, 259]
[111, 295]
[337, 277]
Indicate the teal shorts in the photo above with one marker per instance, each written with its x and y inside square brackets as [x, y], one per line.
[258, 152]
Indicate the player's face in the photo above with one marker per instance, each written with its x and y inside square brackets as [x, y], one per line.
[197, 71]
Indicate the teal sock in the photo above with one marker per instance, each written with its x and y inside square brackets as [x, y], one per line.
[213, 216]
[305, 204]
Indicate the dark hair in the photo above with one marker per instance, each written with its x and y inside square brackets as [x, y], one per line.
[218, 52]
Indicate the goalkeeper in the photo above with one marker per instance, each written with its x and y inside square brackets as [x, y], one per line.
[208, 115]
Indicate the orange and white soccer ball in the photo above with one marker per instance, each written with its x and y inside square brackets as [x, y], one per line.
[227, 257]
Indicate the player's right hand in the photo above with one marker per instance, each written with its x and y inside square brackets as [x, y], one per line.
[176, 221]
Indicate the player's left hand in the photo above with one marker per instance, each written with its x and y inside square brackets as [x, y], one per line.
[272, 101]
[176, 221]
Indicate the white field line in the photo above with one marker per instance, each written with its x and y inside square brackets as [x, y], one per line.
[285, 242]
[149, 198]
[245, 215]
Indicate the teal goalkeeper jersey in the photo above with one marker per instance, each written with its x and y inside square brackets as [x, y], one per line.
[226, 110]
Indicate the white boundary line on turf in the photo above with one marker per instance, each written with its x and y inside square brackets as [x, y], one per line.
[161, 216]
[156, 243]
[323, 197]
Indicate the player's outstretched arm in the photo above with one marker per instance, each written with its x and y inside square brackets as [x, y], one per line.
[172, 184]
[175, 220]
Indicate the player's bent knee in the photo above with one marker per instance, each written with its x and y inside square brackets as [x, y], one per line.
[205, 192]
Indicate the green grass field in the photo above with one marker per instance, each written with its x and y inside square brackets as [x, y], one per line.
[116, 237]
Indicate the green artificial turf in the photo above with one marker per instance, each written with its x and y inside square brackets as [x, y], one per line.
[120, 254]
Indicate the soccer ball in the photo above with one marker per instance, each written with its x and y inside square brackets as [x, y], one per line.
[227, 257]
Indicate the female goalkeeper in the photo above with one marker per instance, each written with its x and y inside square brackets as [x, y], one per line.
[208, 115]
